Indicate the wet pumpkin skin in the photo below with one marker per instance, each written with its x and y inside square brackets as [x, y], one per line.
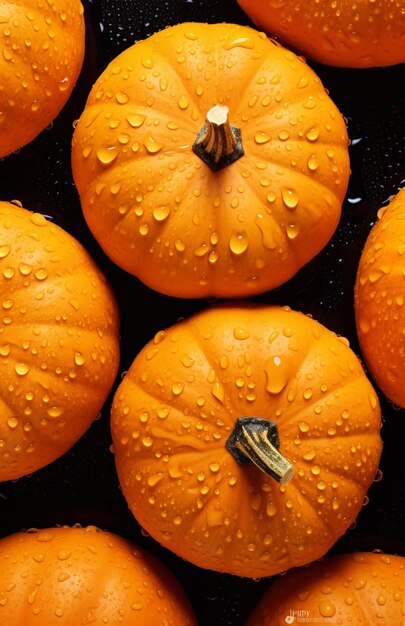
[369, 33]
[42, 55]
[75, 576]
[379, 300]
[157, 208]
[362, 588]
[59, 344]
[177, 405]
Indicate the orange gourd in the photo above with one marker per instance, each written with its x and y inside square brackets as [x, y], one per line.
[59, 349]
[309, 419]
[379, 300]
[368, 33]
[74, 576]
[210, 161]
[363, 588]
[42, 53]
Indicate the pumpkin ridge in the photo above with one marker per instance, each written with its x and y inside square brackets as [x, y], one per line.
[45, 373]
[174, 71]
[165, 402]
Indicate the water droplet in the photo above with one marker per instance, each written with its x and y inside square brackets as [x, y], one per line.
[239, 42]
[135, 120]
[290, 197]
[79, 359]
[63, 555]
[214, 467]
[283, 135]
[312, 163]
[21, 369]
[277, 374]
[121, 97]
[107, 155]
[271, 509]
[240, 333]
[326, 608]
[183, 102]
[41, 274]
[161, 213]
[177, 389]
[262, 137]
[238, 242]
[151, 145]
[218, 391]
[12, 422]
[292, 231]
[312, 134]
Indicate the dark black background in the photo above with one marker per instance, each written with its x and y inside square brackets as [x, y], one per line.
[82, 487]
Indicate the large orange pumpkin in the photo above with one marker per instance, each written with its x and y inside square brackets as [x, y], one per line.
[195, 202]
[59, 346]
[379, 300]
[42, 49]
[237, 383]
[75, 576]
[363, 588]
[368, 33]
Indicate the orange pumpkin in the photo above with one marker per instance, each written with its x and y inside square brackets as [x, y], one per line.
[350, 34]
[379, 300]
[59, 348]
[42, 53]
[233, 385]
[195, 202]
[74, 576]
[361, 588]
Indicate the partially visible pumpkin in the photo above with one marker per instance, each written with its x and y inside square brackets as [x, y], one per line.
[363, 588]
[379, 300]
[308, 417]
[195, 203]
[368, 33]
[75, 576]
[59, 349]
[42, 49]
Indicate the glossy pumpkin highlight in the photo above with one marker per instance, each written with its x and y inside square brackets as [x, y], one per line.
[174, 412]
[184, 227]
[42, 53]
[362, 588]
[75, 576]
[59, 344]
[379, 300]
[369, 33]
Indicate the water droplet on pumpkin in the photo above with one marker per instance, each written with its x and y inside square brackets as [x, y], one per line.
[63, 555]
[292, 231]
[262, 137]
[239, 42]
[312, 134]
[277, 374]
[218, 392]
[238, 242]
[107, 155]
[12, 422]
[177, 389]
[21, 369]
[290, 197]
[327, 608]
[121, 97]
[183, 102]
[312, 163]
[79, 359]
[161, 213]
[240, 333]
[271, 509]
[151, 145]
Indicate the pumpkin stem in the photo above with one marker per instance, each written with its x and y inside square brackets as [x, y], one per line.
[218, 143]
[256, 440]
